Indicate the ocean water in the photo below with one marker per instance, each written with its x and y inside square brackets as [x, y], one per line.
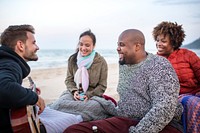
[58, 58]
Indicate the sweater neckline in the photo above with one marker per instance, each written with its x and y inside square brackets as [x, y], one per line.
[149, 55]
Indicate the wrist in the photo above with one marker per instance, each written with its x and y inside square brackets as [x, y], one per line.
[72, 92]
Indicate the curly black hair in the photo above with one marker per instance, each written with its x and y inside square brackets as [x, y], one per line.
[175, 32]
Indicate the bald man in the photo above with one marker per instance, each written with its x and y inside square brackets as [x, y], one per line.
[148, 88]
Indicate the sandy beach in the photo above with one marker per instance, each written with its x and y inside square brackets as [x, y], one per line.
[51, 82]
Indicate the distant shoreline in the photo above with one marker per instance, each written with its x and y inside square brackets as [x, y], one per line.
[58, 58]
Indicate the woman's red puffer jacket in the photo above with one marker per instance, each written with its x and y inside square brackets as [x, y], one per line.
[187, 66]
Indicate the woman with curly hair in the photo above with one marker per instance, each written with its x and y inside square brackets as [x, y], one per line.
[169, 37]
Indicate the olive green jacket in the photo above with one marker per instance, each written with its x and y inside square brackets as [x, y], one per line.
[98, 72]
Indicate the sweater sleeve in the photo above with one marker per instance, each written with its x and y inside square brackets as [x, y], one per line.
[163, 92]
[69, 81]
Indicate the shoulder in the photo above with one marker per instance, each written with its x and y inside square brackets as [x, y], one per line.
[73, 57]
[99, 58]
[10, 68]
[158, 60]
[186, 52]
[10, 64]
[161, 69]
[187, 55]
[160, 64]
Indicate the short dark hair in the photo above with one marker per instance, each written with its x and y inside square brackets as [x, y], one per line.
[14, 33]
[175, 32]
[90, 34]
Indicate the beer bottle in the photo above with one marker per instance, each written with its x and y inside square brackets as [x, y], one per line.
[81, 92]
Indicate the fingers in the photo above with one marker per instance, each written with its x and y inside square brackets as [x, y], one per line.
[38, 91]
[41, 104]
[76, 95]
[85, 99]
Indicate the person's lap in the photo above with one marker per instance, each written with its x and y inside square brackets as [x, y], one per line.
[191, 115]
[111, 125]
[56, 121]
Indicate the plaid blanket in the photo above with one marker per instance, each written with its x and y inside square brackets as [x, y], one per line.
[191, 113]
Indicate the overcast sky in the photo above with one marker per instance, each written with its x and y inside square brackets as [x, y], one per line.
[58, 23]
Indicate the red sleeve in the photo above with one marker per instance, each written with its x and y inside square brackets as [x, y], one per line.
[195, 64]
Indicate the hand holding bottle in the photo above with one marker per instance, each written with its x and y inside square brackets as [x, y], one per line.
[81, 93]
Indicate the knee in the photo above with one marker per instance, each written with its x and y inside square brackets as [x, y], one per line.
[71, 129]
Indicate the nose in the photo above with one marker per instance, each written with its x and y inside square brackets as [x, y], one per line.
[37, 47]
[83, 47]
[118, 48]
[158, 43]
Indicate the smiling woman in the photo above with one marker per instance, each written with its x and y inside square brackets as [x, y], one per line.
[87, 67]
[87, 71]
[169, 37]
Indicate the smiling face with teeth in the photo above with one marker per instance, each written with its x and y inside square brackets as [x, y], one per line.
[163, 45]
[86, 45]
[169, 37]
[131, 47]
[125, 51]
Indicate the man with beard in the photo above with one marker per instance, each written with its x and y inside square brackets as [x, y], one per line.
[148, 88]
[18, 46]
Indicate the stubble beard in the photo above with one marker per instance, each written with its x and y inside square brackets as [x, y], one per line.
[32, 57]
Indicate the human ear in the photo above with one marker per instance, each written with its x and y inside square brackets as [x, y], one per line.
[137, 45]
[19, 46]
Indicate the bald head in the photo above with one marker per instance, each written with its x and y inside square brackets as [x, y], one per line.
[134, 36]
[131, 48]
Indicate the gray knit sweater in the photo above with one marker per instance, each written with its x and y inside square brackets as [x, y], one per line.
[149, 92]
